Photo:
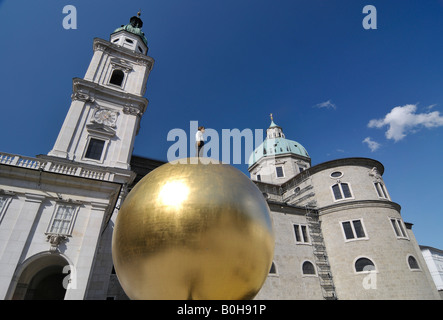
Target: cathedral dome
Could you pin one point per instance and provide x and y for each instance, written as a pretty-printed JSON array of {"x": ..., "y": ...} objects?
[{"x": 276, "y": 144}]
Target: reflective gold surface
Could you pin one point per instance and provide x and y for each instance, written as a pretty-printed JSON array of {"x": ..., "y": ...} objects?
[{"x": 193, "y": 231}]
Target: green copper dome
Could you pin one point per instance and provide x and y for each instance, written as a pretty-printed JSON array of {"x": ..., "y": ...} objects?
[
  {"x": 276, "y": 144},
  {"x": 134, "y": 26}
]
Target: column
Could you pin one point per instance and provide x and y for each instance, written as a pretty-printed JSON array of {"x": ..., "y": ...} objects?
[
  {"x": 17, "y": 240},
  {"x": 86, "y": 256}
]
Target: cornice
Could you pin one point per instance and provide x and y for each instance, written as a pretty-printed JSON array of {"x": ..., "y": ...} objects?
[
  {"x": 356, "y": 204},
  {"x": 370, "y": 163},
  {"x": 88, "y": 91},
  {"x": 139, "y": 58}
]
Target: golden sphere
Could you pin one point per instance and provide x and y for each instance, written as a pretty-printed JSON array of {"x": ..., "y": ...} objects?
[{"x": 193, "y": 229}]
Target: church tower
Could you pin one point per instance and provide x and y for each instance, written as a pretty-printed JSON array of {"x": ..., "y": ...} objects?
[
  {"x": 108, "y": 103},
  {"x": 57, "y": 210}
]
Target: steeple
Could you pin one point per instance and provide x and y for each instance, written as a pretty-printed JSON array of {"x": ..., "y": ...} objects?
[
  {"x": 131, "y": 35},
  {"x": 274, "y": 131}
]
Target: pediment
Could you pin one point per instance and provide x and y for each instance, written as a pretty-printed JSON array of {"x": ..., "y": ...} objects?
[{"x": 100, "y": 129}]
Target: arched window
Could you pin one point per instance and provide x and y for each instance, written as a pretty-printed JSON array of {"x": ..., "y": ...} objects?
[
  {"x": 364, "y": 264},
  {"x": 308, "y": 268},
  {"x": 381, "y": 190},
  {"x": 117, "y": 77},
  {"x": 413, "y": 264},
  {"x": 341, "y": 191}
]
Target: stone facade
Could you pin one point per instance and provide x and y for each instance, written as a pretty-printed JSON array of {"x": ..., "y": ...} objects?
[
  {"x": 50, "y": 219},
  {"x": 434, "y": 260},
  {"x": 354, "y": 235}
]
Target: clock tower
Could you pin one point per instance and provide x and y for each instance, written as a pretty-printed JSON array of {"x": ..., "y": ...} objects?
[{"x": 108, "y": 103}]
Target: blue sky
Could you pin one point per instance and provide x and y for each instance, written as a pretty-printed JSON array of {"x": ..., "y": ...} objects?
[{"x": 330, "y": 83}]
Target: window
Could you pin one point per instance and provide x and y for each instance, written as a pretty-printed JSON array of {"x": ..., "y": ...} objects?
[
  {"x": 399, "y": 230},
  {"x": 301, "y": 233},
  {"x": 95, "y": 149},
  {"x": 413, "y": 264},
  {"x": 4, "y": 202},
  {"x": 341, "y": 191},
  {"x": 258, "y": 177},
  {"x": 117, "y": 77},
  {"x": 129, "y": 40},
  {"x": 364, "y": 264},
  {"x": 279, "y": 171},
  {"x": 273, "y": 269},
  {"x": 336, "y": 174},
  {"x": 62, "y": 220},
  {"x": 308, "y": 268},
  {"x": 353, "y": 229},
  {"x": 381, "y": 190}
]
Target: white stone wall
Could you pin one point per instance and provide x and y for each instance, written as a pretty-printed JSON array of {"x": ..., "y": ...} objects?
[
  {"x": 434, "y": 261},
  {"x": 289, "y": 281},
  {"x": 266, "y": 168},
  {"x": 108, "y": 56},
  {"x": 104, "y": 111},
  {"x": 393, "y": 278},
  {"x": 358, "y": 178},
  {"x": 34, "y": 198}
]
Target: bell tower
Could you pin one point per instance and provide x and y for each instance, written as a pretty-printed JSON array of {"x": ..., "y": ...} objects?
[{"x": 108, "y": 103}]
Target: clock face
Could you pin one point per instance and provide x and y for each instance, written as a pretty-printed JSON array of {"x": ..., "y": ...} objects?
[{"x": 106, "y": 117}]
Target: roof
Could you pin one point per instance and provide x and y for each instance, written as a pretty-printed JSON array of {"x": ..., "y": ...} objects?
[
  {"x": 136, "y": 31},
  {"x": 134, "y": 26},
  {"x": 279, "y": 145}
]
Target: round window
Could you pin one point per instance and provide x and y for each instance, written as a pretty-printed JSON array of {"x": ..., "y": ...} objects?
[{"x": 336, "y": 174}]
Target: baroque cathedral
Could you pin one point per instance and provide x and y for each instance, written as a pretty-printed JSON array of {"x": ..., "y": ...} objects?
[{"x": 338, "y": 234}]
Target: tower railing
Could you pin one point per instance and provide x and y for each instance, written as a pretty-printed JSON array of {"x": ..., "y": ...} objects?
[{"x": 74, "y": 169}]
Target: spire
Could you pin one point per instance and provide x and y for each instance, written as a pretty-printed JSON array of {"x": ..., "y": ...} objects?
[{"x": 272, "y": 121}]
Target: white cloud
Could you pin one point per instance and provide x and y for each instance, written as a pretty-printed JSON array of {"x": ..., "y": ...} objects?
[
  {"x": 327, "y": 105},
  {"x": 404, "y": 120},
  {"x": 430, "y": 107},
  {"x": 373, "y": 145}
]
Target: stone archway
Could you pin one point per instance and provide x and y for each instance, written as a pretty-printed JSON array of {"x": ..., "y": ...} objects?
[{"x": 41, "y": 277}]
